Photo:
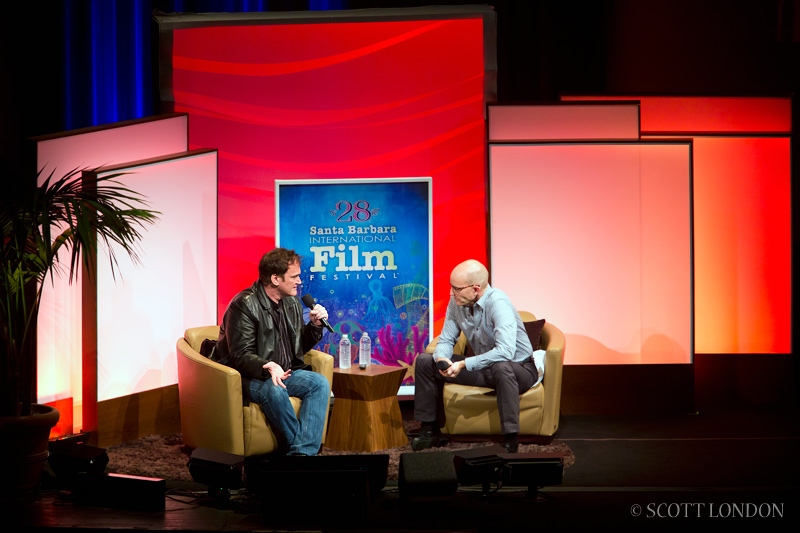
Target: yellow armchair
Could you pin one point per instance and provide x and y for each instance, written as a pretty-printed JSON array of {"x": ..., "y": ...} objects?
[
  {"x": 473, "y": 410},
  {"x": 212, "y": 414}
]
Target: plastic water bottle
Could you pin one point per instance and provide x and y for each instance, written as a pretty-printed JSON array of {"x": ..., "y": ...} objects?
[
  {"x": 364, "y": 350},
  {"x": 344, "y": 352}
]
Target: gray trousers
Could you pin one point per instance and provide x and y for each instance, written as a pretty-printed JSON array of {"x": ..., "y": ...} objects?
[{"x": 507, "y": 378}]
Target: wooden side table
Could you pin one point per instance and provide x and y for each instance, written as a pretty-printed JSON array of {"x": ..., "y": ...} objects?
[{"x": 366, "y": 415}]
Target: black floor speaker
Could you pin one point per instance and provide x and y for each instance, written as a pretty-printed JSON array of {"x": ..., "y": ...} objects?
[
  {"x": 479, "y": 465},
  {"x": 427, "y": 474},
  {"x": 534, "y": 470},
  {"x": 68, "y": 460},
  {"x": 121, "y": 492},
  {"x": 305, "y": 498},
  {"x": 316, "y": 491},
  {"x": 217, "y": 469},
  {"x": 260, "y": 470}
]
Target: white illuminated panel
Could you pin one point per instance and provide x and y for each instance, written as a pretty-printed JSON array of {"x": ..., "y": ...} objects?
[
  {"x": 59, "y": 319},
  {"x": 140, "y": 313},
  {"x": 596, "y": 238},
  {"x": 559, "y": 122}
]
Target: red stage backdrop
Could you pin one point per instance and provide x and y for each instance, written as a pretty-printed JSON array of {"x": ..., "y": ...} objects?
[{"x": 377, "y": 97}]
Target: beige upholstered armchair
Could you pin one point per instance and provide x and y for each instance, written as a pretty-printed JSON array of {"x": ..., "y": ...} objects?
[
  {"x": 212, "y": 414},
  {"x": 473, "y": 410}
]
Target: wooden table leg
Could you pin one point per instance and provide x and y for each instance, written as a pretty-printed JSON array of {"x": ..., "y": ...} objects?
[{"x": 366, "y": 414}]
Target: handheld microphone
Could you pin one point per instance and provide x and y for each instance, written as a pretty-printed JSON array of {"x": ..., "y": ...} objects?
[{"x": 309, "y": 302}]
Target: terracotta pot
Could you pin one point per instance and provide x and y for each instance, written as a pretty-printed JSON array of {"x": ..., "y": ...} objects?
[{"x": 23, "y": 448}]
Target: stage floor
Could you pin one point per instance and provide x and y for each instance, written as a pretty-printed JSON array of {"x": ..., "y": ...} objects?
[{"x": 630, "y": 472}]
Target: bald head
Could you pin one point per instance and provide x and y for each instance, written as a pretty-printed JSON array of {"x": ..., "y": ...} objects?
[
  {"x": 468, "y": 282},
  {"x": 470, "y": 272}
]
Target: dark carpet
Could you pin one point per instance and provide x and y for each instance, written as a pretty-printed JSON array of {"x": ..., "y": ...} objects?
[{"x": 166, "y": 457}]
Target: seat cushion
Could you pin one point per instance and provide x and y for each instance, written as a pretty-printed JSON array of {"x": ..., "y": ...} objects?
[{"x": 473, "y": 410}]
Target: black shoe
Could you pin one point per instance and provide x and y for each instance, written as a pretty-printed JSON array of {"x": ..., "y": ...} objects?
[
  {"x": 511, "y": 446},
  {"x": 428, "y": 438}
]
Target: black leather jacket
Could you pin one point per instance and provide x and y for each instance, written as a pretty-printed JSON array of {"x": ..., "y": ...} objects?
[{"x": 248, "y": 335}]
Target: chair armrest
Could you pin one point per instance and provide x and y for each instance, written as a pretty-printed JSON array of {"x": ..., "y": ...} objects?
[
  {"x": 210, "y": 402},
  {"x": 321, "y": 363},
  {"x": 195, "y": 336},
  {"x": 458, "y": 349},
  {"x": 553, "y": 342},
  {"x": 432, "y": 346}
]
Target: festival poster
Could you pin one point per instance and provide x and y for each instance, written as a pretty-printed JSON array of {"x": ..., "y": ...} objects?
[{"x": 366, "y": 248}]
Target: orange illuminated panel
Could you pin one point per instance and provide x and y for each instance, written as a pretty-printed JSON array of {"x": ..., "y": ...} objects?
[
  {"x": 596, "y": 238},
  {"x": 742, "y": 245},
  {"x": 553, "y": 122},
  {"x": 714, "y": 114},
  {"x": 59, "y": 319},
  {"x": 742, "y": 211},
  {"x": 65, "y": 424}
]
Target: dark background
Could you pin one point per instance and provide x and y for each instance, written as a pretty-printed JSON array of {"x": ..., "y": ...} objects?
[
  {"x": 545, "y": 48},
  {"x": 69, "y": 64}
]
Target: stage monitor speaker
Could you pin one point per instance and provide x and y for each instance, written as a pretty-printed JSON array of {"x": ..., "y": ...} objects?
[
  {"x": 218, "y": 470},
  {"x": 427, "y": 474},
  {"x": 121, "y": 492},
  {"x": 479, "y": 465},
  {"x": 533, "y": 470},
  {"x": 68, "y": 460},
  {"x": 313, "y": 498},
  {"x": 258, "y": 469}
]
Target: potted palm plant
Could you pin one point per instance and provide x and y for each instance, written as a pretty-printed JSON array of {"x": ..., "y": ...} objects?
[{"x": 48, "y": 229}]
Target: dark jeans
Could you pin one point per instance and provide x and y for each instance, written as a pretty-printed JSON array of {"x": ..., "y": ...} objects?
[
  {"x": 507, "y": 378},
  {"x": 302, "y": 432}
]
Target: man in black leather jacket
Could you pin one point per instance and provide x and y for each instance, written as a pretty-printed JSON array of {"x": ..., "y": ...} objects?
[{"x": 263, "y": 337}]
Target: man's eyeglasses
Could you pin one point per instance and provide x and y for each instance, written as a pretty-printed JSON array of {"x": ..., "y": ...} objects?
[{"x": 456, "y": 290}]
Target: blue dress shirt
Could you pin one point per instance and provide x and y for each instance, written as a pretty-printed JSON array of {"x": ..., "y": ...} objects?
[{"x": 492, "y": 327}]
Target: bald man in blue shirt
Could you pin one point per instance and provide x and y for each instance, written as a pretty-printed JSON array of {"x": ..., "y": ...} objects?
[{"x": 495, "y": 332}]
